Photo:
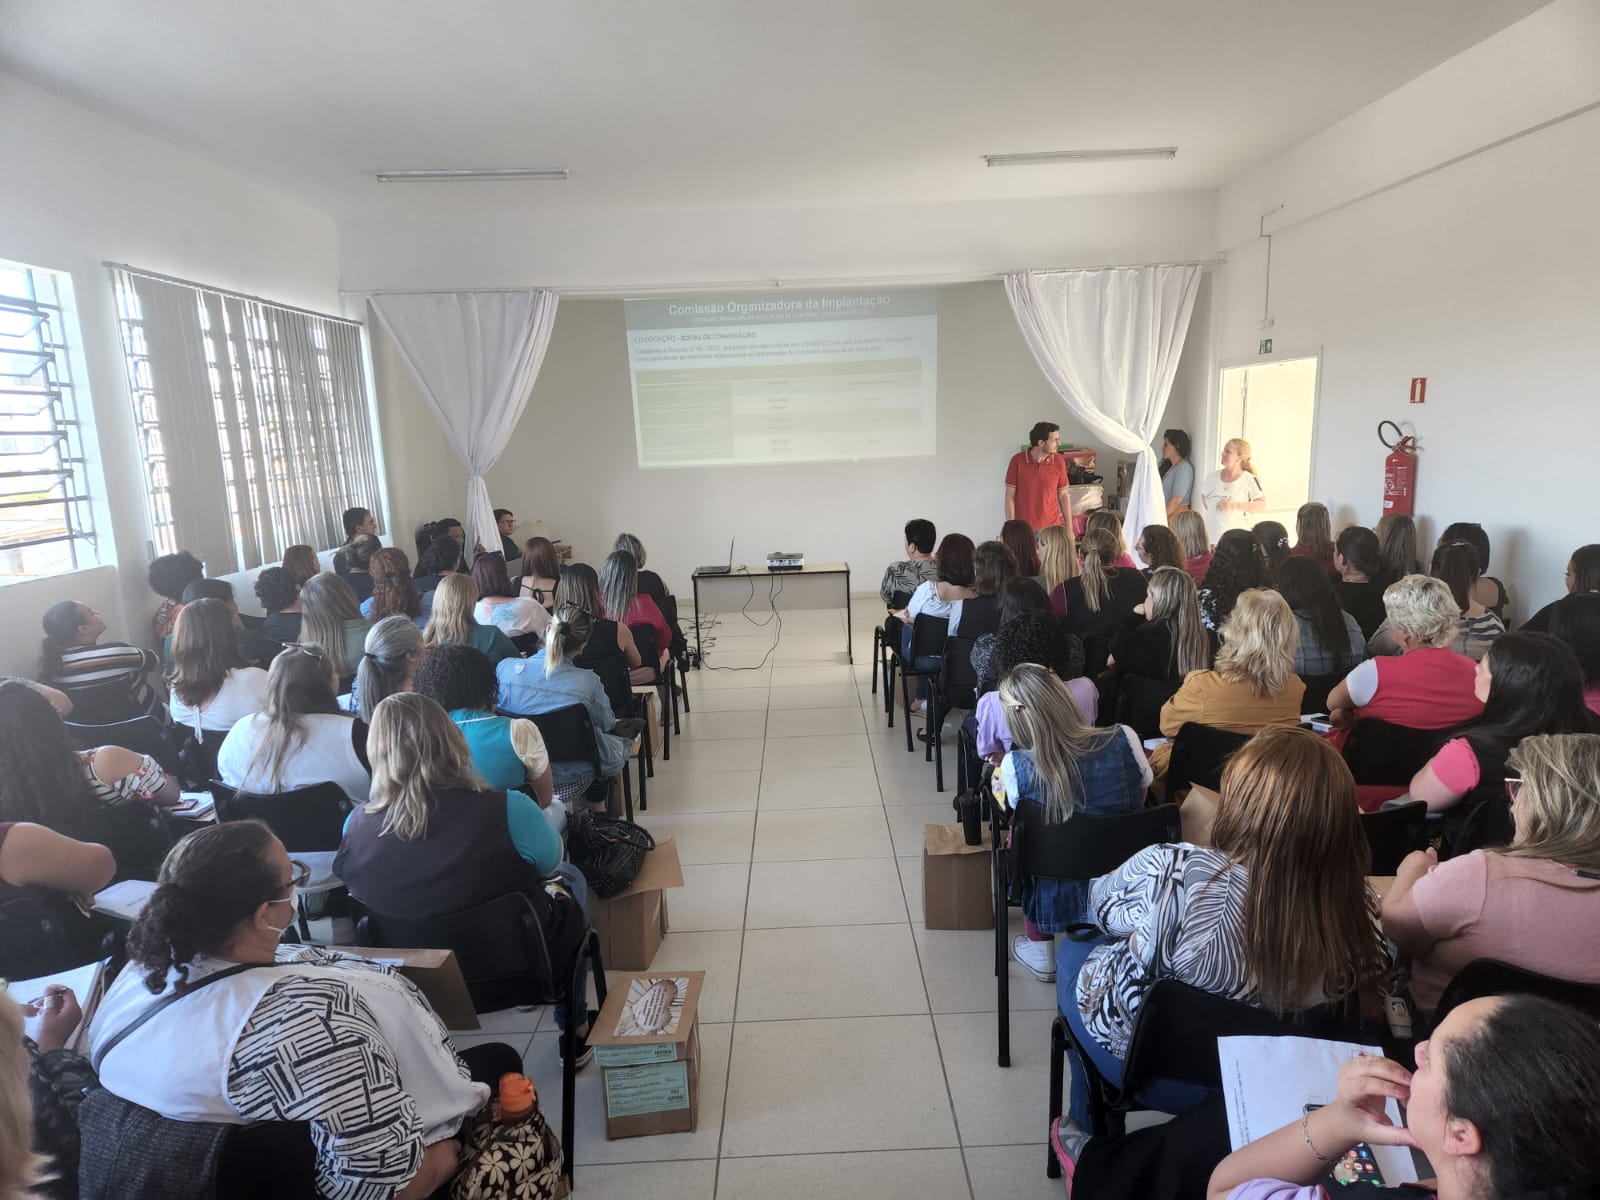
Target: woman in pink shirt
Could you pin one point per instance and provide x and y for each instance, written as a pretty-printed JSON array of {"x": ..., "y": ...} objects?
[
  {"x": 619, "y": 588},
  {"x": 1535, "y": 904}
]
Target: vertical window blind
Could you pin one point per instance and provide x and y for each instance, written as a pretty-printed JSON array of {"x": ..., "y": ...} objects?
[{"x": 252, "y": 419}]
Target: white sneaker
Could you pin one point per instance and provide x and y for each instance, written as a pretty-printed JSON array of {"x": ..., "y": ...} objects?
[{"x": 1037, "y": 958}]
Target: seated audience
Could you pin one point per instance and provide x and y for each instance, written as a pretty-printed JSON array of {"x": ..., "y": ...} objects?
[
  {"x": 1159, "y": 547},
  {"x": 394, "y": 592},
  {"x": 551, "y": 680},
  {"x": 36, "y": 856},
  {"x": 1534, "y": 904},
  {"x": 1190, "y": 529},
  {"x": 541, "y": 571},
  {"x": 1528, "y": 683},
  {"x": 255, "y": 647},
  {"x": 1171, "y": 640},
  {"x": 1457, "y": 564},
  {"x": 1111, "y": 524},
  {"x": 1331, "y": 641},
  {"x": 1492, "y": 1106},
  {"x": 1427, "y": 685},
  {"x": 1024, "y": 546},
  {"x": 993, "y": 567},
  {"x": 1314, "y": 535},
  {"x": 279, "y": 593},
  {"x": 1058, "y": 556},
  {"x": 609, "y": 649},
  {"x": 358, "y": 522},
  {"x": 1363, "y": 575},
  {"x": 650, "y": 584},
  {"x": 504, "y": 522},
  {"x": 225, "y": 895},
  {"x": 442, "y": 557},
  {"x": 1397, "y": 542},
  {"x": 1031, "y": 637},
  {"x": 332, "y": 619},
  {"x": 954, "y": 576},
  {"x": 508, "y": 752},
  {"x": 1288, "y": 857},
  {"x": 1583, "y": 577},
  {"x": 57, "y": 699},
  {"x": 1018, "y": 596},
  {"x": 1488, "y": 591},
  {"x": 358, "y": 554},
  {"x": 499, "y": 605},
  {"x": 212, "y": 688},
  {"x": 431, "y": 531},
  {"x": 1274, "y": 541},
  {"x": 1100, "y": 600},
  {"x": 106, "y": 681},
  {"x": 1237, "y": 566},
  {"x": 393, "y": 650},
  {"x": 300, "y": 738},
  {"x": 1252, "y": 685},
  {"x": 1576, "y": 621},
  {"x": 626, "y": 605},
  {"x": 301, "y": 562},
  {"x": 453, "y": 620},
  {"x": 169, "y": 575},
  {"x": 24, "y": 1171},
  {"x": 1066, "y": 766}
]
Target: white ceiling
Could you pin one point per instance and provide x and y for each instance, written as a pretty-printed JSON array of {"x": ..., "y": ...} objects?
[{"x": 730, "y": 102}]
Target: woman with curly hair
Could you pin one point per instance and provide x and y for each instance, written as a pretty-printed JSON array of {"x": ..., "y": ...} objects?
[
  {"x": 394, "y": 592},
  {"x": 279, "y": 593},
  {"x": 168, "y": 576},
  {"x": 1237, "y": 566}
]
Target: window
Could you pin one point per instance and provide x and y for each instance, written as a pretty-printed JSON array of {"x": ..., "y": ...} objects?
[
  {"x": 46, "y": 518},
  {"x": 252, "y": 420}
]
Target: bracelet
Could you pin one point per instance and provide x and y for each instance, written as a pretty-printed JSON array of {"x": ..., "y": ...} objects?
[{"x": 1305, "y": 1128}]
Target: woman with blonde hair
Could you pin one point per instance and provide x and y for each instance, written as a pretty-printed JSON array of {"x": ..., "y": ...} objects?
[
  {"x": 301, "y": 562},
  {"x": 1065, "y": 766},
  {"x": 1172, "y": 640},
  {"x": 1109, "y": 523},
  {"x": 1229, "y": 496},
  {"x": 1252, "y": 684},
  {"x": 1427, "y": 685},
  {"x": 1100, "y": 600},
  {"x": 1190, "y": 528},
  {"x": 453, "y": 620},
  {"x": 21, "y": 1170},
  {"x": 1277, "y": 913},
  {"x": 1534, "y": 904},
  {"x": 1058, "y": 556},
  {"x": 330, "y": 616}
]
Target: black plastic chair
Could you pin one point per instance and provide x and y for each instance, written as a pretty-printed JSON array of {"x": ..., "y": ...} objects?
[
  {"x": 1081, "y": 848},
  {"x": 506, "y": 961},
  {"x": 1199, "y": 754},
  {"x": 928, "y": 635},
  {"x": 613, "y": 673},
  {"x": 143, "y": 735},
  {"x": 1477, "y": 825},
  {"x": 569, "y": 736},
  {"x": 1393, "y": 833},
  {"x": 1139, "y": 701},
  {"x": 308, "y": 818},
  {"x": 1175, "y": 1038},
  {"x": 43, "y": 933},
  {"x": 886, "y": 649},
  {"x": 679, "y": 650},
  {"x": 650, "y": 655},
  {"x": 955, "y": 686},
  {"x": 1315, "y": 699},
  {"x": 1382, "y": 754},
  {"x": 1490, "y": 977}
]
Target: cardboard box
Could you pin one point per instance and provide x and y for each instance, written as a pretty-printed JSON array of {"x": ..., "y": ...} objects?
[
  {"x": 632, "y": 923},
  {"x": 647, "y": 1045},
  {"x": 957, "y": 880},
  {"x": 436, "y": 973}
]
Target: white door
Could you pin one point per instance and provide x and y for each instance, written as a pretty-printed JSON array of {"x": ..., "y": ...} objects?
[{"x": 1273, "y": 406}]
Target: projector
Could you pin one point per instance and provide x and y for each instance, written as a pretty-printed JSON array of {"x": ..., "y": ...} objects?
[{"x": 785, "y": 560}]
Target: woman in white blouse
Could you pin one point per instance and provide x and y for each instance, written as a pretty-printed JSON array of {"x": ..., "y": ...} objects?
[
  {"x": 301, "y": 738},
  {"x": 212, "y": 689},
  {"x": 516, "y": 616},
  {"x": 955, "y": 563},
  {"x": 1229, "y": 496}
]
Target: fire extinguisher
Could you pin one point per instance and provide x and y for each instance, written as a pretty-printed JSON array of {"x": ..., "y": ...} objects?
[{"x": 1399, "y": 470}]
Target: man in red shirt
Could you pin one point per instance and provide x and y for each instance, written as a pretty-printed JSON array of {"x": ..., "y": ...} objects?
[{"x": 1036, "y": 481}]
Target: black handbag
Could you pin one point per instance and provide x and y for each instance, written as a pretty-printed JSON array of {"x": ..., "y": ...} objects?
[{"x": 607, "y": 850}]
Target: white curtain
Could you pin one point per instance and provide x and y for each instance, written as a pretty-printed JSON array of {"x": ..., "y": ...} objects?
[
  {"x": 1108, "y": 342},
  {"x": 475, "y": 356}
]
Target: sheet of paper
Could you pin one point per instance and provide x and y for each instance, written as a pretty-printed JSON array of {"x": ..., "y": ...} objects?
[
  {"x": 1268, "y": 1081},
  {"x": 82, "y": 982},
  {"x": 126, "y": 899}
]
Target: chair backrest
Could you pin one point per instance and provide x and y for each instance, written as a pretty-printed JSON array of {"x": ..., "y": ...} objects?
[
  {"x": 308, "y": 818},
  {"x": 928, "y": 636},
  {"x": 1199, "y": 754},
  {"x": 1489, "y": 977},
  {"x": 668, "y": 604},
  {"x": 1139, "y": 701},
  {"x": 1477, "y": 825},
  {"x": 1175, "y": 1035},
  {"x": 898, "y": 600},
  {"x": 644, "y": 637},
  {"x": 569, "y": 735},
  {"x": 499, "y": 945},
  {"x": 1393, "y": 833},
  {"x": 43, "y": 933},
  {"x": 1315, "y": 699},
  {"x": 958, "y": 681},
  {"x": 612, "y": 671},
  {"x": 1380, "y": 752},
  {"x": 1087, "y": 845},
  {"x": 143, "y": 735}
]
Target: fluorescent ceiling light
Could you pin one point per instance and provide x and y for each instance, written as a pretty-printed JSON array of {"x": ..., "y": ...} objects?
[
  {"x": 1060, "y": 156},
  {"x": 473, "y": 175}
]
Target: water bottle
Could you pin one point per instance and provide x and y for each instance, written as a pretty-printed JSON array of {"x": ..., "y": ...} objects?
[{"x": 972, "y": 819}]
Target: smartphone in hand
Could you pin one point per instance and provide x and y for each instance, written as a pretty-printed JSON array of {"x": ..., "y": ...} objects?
[{"x": 1358, "y": 1164}]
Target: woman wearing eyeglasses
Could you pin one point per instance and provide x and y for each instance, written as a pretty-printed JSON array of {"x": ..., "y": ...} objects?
[
  {"x": 302, "y": 737},
  {"x": 260, "y": 1032},
  {"x": 1534, "y": 904}
]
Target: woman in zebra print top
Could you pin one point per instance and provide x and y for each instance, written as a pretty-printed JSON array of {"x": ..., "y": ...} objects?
[{"x": 1277, "y": 914}]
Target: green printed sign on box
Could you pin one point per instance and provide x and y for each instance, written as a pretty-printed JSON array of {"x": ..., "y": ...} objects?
[
  {"x": 655, "y": 1087},
  {"x": 633, "y": 1056}
]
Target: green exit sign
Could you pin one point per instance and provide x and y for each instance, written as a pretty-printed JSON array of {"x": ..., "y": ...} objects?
[{"x": 1266, "y": 346}]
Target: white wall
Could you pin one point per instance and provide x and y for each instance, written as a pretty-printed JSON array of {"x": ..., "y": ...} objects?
[
  {"x": 81, "y": 189},
  {"x": 1478, "y": 273},
  {"x": 572, "y": 461}
]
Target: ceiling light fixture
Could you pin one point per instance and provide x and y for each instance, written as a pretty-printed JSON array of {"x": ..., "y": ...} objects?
[
  {"x": 473, "y": 175},
  {"x": 1067, "y": 156}
]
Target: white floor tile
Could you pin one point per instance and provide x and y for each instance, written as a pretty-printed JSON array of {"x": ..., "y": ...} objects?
[
  {"x": 811, "y": 675},
  {"x": 1009, "y": 1173},
  {"x": 836, "y": 750},
  {"x": 815, "y": 722},
  {"x": 881, "y": 1175},
  {"x": 790, "y": 834},
  {"x": 711, "y": 678},
  {"x": 508, "y": 1020},
  {"x": 679, "y": 787},
  {"x": 997, "y": 1106},
  {"x": 729, "y": 754},
  {"x": 911, "y": 882},
  {"x": 907, "y": 823},
  {"x": 821, "y": 787},
  {"x": 647, "y": 1181},
  {"x": 841, "y": 971},
  {"x": 712, "y": 897},
  {"x": 958, "y": 968},
  {"x": 816, "y": 695},
  {"x": 861, "y": 891},
  {"x": 704, "y": 837},
  {"x": 720, "y": 726},
  {"x": 730, "y": 699},
  {"x": 716, "y": 952}
]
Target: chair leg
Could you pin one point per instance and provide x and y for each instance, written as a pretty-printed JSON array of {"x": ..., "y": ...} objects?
[
  {"x": 905, "y": 696},
  {"x": 888, "y": 688},
  {"x": 627, "y": 792},
  {"x": 930, "y": 713},
  {"x": 1058, "y": 1052},
  {"x": 936, "y": 744},
  {"x": 683, "y": 673},
  {"x": 877, "y": 657}
]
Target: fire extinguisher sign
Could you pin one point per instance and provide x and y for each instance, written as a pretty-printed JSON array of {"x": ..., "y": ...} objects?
[{"x": 1419, "y": 389}]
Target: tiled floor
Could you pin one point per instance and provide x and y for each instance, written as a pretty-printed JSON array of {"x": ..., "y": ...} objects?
[{"x": 847, "y": 1050}]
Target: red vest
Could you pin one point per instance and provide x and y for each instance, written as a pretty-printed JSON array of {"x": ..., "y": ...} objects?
[{"x": 1429, "y": 688}]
